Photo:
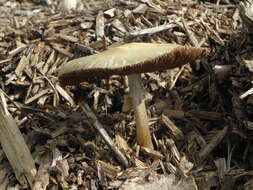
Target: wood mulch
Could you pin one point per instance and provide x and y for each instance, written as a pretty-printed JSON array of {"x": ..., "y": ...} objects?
[{"x": 201, "y": 114}]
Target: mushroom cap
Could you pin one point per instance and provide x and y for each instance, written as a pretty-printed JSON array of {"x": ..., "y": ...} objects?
[{"x": 128, "y": 59}]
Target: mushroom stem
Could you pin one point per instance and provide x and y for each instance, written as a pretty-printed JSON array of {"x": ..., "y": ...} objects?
[{"x": 137, "y": 94}]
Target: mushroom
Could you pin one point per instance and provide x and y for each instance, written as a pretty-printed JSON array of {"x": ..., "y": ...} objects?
[{"x": 131, "y": 59}]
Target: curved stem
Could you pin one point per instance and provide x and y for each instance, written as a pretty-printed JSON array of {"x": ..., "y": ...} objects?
[{"x": 141, "y": 118}]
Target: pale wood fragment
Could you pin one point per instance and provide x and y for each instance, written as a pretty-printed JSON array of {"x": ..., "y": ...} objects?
[
  {"x": 100, "y": 25},
  {"x": 64, "y": 94},
  {"x": 40, "y": 94},
  {"x": 152, "y": 30},
  {"x": 15, "y": 147},
  {"x": 146, "y": 179},
  {"x": 22, "y": 64}
]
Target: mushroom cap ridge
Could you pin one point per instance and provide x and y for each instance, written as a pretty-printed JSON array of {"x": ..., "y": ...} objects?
[{"x": 128, "y": 59}]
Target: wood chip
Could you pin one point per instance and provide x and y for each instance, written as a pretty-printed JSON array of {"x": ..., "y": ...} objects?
[
  {"x": 100, "y": 25},
  {"x": 21, "y": 66},
  {"x": 174, "y": 130}
]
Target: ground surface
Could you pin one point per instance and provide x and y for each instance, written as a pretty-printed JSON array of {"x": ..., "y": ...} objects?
[{"x": 204, "y": 101}]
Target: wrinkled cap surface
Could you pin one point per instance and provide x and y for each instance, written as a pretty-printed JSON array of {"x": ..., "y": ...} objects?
[{"x": 128, "y": 59}]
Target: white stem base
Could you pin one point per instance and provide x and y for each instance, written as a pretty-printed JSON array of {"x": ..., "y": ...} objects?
[{"x": 141, "y": 118}]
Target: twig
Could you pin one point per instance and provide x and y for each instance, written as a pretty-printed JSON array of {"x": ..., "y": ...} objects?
[
  {"x": 12, "y": 101},
  {"x": 176, "y": 78},
  {"x": 192, "y": 38},
  {"x": 247, "y": 93},
  {"x": 93, "y": 121},
  {"x": 214, "y": 142},
  {"x": 152, "y": 30}
]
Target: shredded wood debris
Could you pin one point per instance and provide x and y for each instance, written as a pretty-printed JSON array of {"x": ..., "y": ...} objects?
[{"x": 79, "y": 137}]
